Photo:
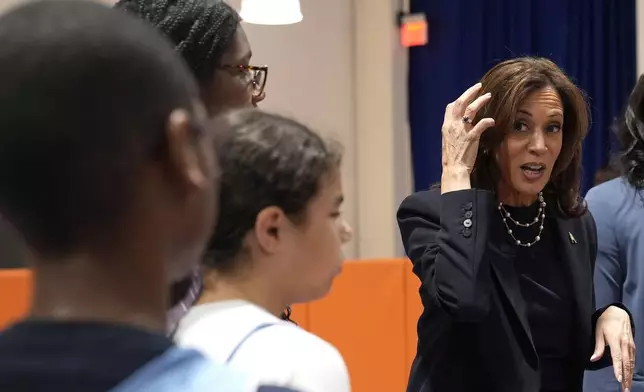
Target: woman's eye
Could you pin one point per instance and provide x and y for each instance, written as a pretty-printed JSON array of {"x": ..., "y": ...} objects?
[
  {"x": 554, "y": 128},
  {"x": 520, "y": 126}
]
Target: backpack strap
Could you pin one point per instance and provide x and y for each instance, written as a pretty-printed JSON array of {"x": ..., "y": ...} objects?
[
  {"x": 186, "y": 370},
  {"x": 248, "y": 335}
]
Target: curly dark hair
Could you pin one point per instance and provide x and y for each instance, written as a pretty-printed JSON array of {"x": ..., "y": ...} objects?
[
  {"x": 266, "y": 160},
  {"x": 510, "y": 83},
  {"x": 630, "y": 133},
  {"x": 201, "y": 30}
]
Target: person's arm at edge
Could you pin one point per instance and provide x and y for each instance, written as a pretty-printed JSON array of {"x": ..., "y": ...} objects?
[{"x": 606, "y": 268}]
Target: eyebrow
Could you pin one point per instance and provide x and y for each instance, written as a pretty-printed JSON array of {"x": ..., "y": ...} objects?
[{"x": 552, "y": 115}]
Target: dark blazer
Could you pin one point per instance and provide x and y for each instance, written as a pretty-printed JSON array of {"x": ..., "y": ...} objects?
[{"x": 473, "y": 334}]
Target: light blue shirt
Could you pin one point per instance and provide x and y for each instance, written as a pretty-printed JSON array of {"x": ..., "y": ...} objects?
[
  {"x": 187, "y": 370},
  {"x": 618, "y": 210}
]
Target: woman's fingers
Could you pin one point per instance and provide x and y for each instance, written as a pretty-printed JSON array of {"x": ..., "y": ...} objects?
[
  {"x": 460, "y": 137},
  {"x": 458, "y": 106},
  {"x": 628, "y": 357},
  {"x": 474, "y": 107},
  {"x": 481, "y": 127},
  {"x": 628, "y": 365},
  {"x": 616, "y": 356},
  {"x": 600, "y": 346}
]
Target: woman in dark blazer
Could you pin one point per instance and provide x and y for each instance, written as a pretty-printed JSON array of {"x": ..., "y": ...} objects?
[{"x": 505, "y": 247}]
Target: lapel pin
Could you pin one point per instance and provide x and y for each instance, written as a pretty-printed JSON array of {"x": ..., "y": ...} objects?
[{"x": 572, "y": 238}]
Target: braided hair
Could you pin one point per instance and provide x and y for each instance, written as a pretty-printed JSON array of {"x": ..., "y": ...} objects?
[{"x": 201, "y": 30}]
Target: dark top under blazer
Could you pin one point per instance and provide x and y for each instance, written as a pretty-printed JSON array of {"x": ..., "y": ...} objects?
[{"x": 473, "y": 334}]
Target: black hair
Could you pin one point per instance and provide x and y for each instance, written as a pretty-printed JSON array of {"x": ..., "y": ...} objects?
[
  {"x": 606, "y": 173},
  {"x": 201, "y": 30},
  {"x": 286, "y": 315},
  {"x": 85, "y": 93},
  {"x": 266, "y": 160},
  {"x": 630, "y": 133}
]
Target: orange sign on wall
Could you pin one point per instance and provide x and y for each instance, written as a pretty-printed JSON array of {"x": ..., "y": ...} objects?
[{"x": 413, "y": 30}]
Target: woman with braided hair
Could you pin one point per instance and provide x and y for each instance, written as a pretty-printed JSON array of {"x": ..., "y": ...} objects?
[
  {"x": 209, "y": 37},
  {"x": 212, "y": 42}
]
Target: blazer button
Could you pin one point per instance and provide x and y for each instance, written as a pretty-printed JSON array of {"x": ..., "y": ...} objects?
[
  {"x": 467, "y": 232},
  {"x": 468, "y": 205},
  {"x": 468, "y": 214},
  {"x": 467, "y": 223}
]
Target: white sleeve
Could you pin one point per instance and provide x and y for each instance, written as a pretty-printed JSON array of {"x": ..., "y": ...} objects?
[
  {"x": 291, "y": 357},
  {"x": 323, "y": 372}
]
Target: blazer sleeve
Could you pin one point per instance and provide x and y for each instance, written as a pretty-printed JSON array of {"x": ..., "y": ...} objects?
[{"x": 445, "y": 238}]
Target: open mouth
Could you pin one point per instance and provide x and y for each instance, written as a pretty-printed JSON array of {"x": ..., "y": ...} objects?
[
  {"x": 533, "y": 170},
  {"x": 534, "y": 167}
]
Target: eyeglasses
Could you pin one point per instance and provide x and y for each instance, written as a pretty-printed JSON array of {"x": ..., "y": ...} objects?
[{"x": 253, "y": 75}]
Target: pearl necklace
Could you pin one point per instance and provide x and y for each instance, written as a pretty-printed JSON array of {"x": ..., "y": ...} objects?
[{"x": 541, "y": 215}]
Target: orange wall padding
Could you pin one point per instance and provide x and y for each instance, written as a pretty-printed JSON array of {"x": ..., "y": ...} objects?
[
  {"x": 370, "y": 315},
  {"x": 15, "y": 294}
]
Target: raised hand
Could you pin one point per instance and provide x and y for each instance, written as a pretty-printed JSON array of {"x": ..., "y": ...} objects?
[{"x": 461, "y": 138}]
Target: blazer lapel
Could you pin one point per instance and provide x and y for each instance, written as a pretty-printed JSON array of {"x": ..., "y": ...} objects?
[
  {"x": 575, "y": 254},
  {"x": 506, "y": 277}
]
